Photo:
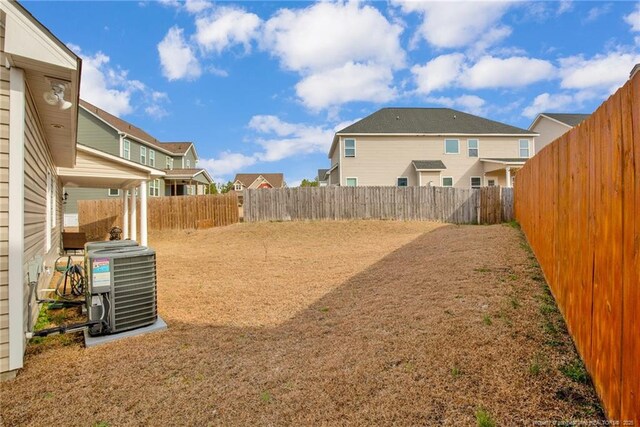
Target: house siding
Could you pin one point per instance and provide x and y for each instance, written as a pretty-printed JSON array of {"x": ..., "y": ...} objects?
[
  {"x": 189, "y": 155},
  {"x": 380, "y": 160},
  {"x": 93, "y": 132},
  {"x": 38, "y": 166},
  {"x": 549, "y": 131},
  {"x": 4, "y": 211}
]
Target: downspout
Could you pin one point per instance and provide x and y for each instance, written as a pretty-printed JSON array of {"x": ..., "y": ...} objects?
[{"x": 340, "y": 161}]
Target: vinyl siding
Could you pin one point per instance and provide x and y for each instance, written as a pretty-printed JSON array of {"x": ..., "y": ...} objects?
[
  {"x": 549, "y": 131},
  {"x": 94, "y": 133},
  {"x": 37, "y": 165},
  {"x": 4, "y": 212},
  {"x": 188, "y": 156},
  {"x": 380, "y": 160}
]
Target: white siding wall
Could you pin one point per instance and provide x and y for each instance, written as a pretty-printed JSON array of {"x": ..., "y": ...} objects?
[
  {"x": 38, "y": 166},
  {"x": 4, "y": 211},
  {"x": 380, "y": 160},
  {"x": 549, "y": 131}
]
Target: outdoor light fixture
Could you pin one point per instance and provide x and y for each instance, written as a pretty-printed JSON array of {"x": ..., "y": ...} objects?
[
  {"x": 65, "y": 196},
  {"x": 55, "y": 96}
]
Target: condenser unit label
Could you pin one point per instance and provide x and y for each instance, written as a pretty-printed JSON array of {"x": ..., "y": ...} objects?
[{"x": 100, "y": 270}]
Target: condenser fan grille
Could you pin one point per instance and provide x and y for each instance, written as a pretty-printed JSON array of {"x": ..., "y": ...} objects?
[{"x": 134, "y": 301}]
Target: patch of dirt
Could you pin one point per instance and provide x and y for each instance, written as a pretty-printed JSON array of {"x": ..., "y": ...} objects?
[{"x": 325, "y": 323}]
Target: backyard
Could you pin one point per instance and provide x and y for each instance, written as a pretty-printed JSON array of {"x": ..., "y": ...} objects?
[{"x": 324, "y": 323}]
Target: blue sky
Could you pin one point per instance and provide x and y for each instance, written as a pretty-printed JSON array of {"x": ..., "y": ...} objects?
[{"x": 261, "y": 86}]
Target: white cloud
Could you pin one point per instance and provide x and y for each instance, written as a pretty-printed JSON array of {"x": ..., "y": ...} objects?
[
  {"x": 596, "y": 12},
  {"x": 197, "y": 6},
  {"x": 111, "y": 88},
  {"x": 550, "y": 103},
  {"x": 282, "y": 139},
  {"x": 226, "y": 164},
  {"x": 457, "y": 24},
  {"x": 177, "y": 57},
  {"x": 517, "y": 71},
  {"x": 602, "y": 72},
  {"x": 564, "y": 6},
  {"x": 633, "y": 19},
  {"x": 225, "y": 27},
  {"x": 453, "y": 70},
  {"x": 351, "y": 82},
  {"x": 439, "y": 73},
  {"x": 328, "y": 35},
  {"x": 277, "y": 140},
  {"x": 469, "y": 103}
]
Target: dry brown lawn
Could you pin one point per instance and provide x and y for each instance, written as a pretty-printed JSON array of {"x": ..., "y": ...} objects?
[{"x": 325, "y": 323}]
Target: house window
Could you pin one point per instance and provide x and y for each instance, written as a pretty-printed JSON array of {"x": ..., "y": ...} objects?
[
  {"x": 352, "y": 182},
  {"x": 349, "y": 147},
  {"x": 114, "y": 192},
  {"x": 524, "y": 148},
  {"x": 403, "y": 181},
  {"x": 152, "y": 158},
  {"x": 491, "y": 182},
  {"x": 154, "y": 188},
  {"x": 447, "y": 181},
  {"x": 188, "y": 163},
  {"x": 451, "y": 146},
  {"x": 169, "y": 163},
  {"x": 143, "y": 155},
  {"x": 476, "y": 182},
  {"x": 472, "y": 145},
  {"x": 126, "y": 149},
  {"x": 237, "y": 187}
]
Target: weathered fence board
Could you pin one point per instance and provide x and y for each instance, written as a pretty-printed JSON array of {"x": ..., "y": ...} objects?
[
  {"x": 97, "y": 217},
  {"x": 578, "y": 202},
  {"x": 454, "y": 205}
]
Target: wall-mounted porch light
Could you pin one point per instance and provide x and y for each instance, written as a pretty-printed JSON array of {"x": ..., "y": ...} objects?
[{"x": 55, "y": 96}]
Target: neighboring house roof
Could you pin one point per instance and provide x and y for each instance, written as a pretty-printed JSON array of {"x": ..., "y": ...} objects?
[
  {"x": 423, "y": 165},
  {"x": 322, "y": 174},
  {"x": 568, "y": 119},
  {"x": 275, "y": 179},
  {"x": 427, "y": 121},
  {"x": 173, "y": 148},
  {"x": 177, "y": 147},
  {"x": 186, "y": 173}
]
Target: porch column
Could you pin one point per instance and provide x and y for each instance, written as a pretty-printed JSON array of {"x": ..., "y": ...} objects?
[
  {"x": 125, "y": 215},
  {"x": 134, "y": 214},
  {"x": 143, "y": 213},
  {"x": 508, "y": 172}
]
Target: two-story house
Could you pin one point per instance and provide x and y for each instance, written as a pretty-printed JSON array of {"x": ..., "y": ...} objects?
[
  {"x": 551, "y": 126},
  {"x": 110, "y": 134},
  {"x": 428, "y": 146}
]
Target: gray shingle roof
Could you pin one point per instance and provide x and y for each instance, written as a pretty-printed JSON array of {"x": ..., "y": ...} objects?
[
  {"x": 322, "y": 174},
  {"x": 429, "y": 121},
  {"x": 428, "y": 165},
  {"x": 568, "y": 119}
]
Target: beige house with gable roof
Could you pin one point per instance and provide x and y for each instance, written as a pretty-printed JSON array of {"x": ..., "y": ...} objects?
[{"x": 428, "y": 146}]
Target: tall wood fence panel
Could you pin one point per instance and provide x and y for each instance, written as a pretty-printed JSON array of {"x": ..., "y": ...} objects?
[
  {"x": 454, "y": 205},
  {"x": 578, "y": 202},
  {"x": 97, "y": 217}
]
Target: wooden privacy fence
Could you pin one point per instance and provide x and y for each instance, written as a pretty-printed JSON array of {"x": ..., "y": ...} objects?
[
  {"x": 578, "y": 202},
  {"x": 455, "y": 205},
  {"x": 97, "y": 217}
]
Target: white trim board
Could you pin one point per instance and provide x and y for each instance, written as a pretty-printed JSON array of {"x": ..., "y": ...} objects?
[{"x": 16, "y": 217}]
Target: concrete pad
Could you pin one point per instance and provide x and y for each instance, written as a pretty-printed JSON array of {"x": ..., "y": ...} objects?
[{"x": 90, "y": 341}]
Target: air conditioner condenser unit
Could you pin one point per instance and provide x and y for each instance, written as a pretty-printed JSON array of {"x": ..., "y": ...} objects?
[{"x": 122, "y": 289}]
